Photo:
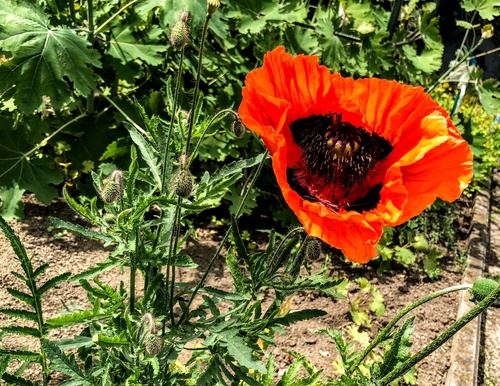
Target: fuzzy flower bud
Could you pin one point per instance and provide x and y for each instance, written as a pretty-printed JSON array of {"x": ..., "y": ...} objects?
[
  {"x": 213, "y": 5},
  {"x": 313, "y": 249},
  {"x": 112, "y": 187},
  {"x": 481, "y": 288},
  {"x": 182, "y": 183},
  {"x": 153, "y": 344},
  {"x": 238, "y": 128},
  {"x": 179, "y": 34}
]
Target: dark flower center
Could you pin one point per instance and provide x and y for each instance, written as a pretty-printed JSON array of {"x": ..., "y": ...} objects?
[{"x": 339, "y": 160}]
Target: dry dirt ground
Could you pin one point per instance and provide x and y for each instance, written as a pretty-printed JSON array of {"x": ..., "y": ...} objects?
[{"x": 400, "y": 287}]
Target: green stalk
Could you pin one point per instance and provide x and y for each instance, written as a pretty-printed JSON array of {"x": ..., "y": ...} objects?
[
  {"x": 197, "y": 84},
  {"x": 454, "y": 328},
  {"x": 172, "y": 119},
  {"x": 451, "y": 69},
  {"x": 387, "y": 329},
  {"x": 224, "y": 240},
  {"x": 133, "y": 270},
  {"x": 90, "y": 18},
  {"x": 214, "y": 118}
]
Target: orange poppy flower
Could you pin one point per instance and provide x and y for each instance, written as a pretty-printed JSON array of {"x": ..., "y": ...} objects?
[{"x": 352, "y": 156}]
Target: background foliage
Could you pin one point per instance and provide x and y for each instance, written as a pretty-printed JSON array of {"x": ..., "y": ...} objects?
[{"x": 68, "y": 71}]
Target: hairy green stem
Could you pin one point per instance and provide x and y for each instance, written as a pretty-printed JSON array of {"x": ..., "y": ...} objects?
[
  {"x": 172, "y": 120},
  {"x": 452, "y": 330},
  {"x": 133, "y": 270},
  {"x": 387, "y": 329},
  {"x": 197, "y": 84},
  {"x": 185, "y": 314},
  {"x": 214, "y": 118}
]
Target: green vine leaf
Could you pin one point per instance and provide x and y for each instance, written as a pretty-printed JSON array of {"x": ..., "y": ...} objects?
[
  {"x": 487, "y": 9},
  {"x": 129, "y": 44},
  {"x": 42, "y": 56}
]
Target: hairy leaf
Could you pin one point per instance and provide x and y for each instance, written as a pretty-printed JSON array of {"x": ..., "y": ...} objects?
[
  {"x": 20, "y": 330},
  {"x": 64, "y": 364},
  {"x": 51, "y": 283},
  {"x": 42, "y": 56},
  {"x": 239, "y": 350}
]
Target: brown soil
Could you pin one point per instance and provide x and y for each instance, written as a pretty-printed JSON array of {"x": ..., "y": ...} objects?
[{"x": 68, "y": 252}]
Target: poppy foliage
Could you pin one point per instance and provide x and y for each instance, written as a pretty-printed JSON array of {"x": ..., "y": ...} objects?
[{"x": 352, "y": 156}]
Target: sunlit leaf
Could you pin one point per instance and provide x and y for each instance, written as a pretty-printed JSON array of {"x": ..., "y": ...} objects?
[{"x": 42, "y": 57}]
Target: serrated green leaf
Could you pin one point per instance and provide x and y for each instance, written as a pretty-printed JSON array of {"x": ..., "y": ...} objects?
[
  {"x": 20, "y": 330},
  {"x": 97, "y": 269},
  {"x": 22, "y": 314},
  {"x": 399, "y": 349},
  {"x": 147, "y": 153},
  {"x": 51, "y": 283},
  {"x": 40, "y": 270},
  {"x": 405, "y": 256},
  {"x": 80, "y": 209},
  {"x": 21, "y": 354},
  {"x": 58, "y": 223},
  {"x": 489, "y": 95},
  {"x": 428, "y": 61},
  {"x": 42, "y": 56},
  {"x": 64, "y": 364},
  {"x": 14, "y": 380},
  {"x": 239, "y": 350},
  {"x": 487, "y": 9},
  {"x": 73, "y": 343},
  {"x": 294, "y": 317},
  {"x": 112, "y": 341},
  {"x": 23, "y": 296},
  {"x": 129, "y": 43},
  {"x": 85, "y": 316}
]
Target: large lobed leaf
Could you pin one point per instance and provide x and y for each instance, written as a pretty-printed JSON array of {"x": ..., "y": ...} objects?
[{"x": 41, "y": 57}]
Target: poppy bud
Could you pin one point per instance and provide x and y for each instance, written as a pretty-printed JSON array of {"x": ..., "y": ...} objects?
[
  {"x": 153, "y": 344},
  {"x": 213, "y": 5},
  {"x": 179, "y": 34},
  {"x": 313, "y": 249},
  {"x": 182, "y": 183},
  {"x": 112, "y": 187},
  {"x": 482, "y": 288},
  {"x": 238, "y": 128}
]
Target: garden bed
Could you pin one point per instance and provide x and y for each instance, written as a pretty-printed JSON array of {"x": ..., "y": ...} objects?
[{"x": 400, "y": 287}]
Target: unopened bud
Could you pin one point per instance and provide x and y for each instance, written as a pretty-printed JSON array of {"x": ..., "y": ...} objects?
[
  {"x": 112, "y": 187},
  {"x": 179, "y": 34},
  {"x": 481, "y": 288},
  {"x": 213, "y": 5},
  {"x": 487, "y": 31},
  {"x": 238, "y": 128},
  {"x": 313, "y": 249},
  {"x": 182, "y": 183},
  {"x": 153, "y": 344}
]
